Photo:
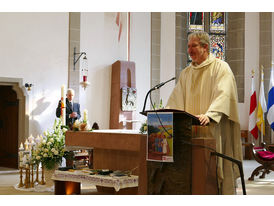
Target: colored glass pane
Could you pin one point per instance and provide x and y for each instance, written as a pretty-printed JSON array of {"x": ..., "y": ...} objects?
[
  {"x": 217, "y": 22},
  {"x": 195, "y": 21},
  {"x": 217, "y": 46}
]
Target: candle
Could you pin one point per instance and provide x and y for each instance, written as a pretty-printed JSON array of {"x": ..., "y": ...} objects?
[
  {"x": 26, "y": 145},
  {"x": 32, "y": 143},
  {"x": 21, "y": 148},
  {"x": 21, "y": 158},
  {"x": 30, "y": 138},
  {"x": 63, "y": 105},
  {"x": 85, "y": 115},
  {"x": 63, "y": 91}
]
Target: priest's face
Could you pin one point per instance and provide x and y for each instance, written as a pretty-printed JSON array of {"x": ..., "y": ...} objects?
[{"x": 197, "y": 52}]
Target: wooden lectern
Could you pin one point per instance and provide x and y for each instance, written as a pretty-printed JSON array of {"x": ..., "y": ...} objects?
[{"x": 193, "y": 170}]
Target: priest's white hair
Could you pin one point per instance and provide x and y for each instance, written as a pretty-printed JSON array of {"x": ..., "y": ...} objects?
[{"x": 202, "y": 36}]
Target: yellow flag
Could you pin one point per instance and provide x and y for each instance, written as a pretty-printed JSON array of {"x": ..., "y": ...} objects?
[{"x": 261, "y": 106}]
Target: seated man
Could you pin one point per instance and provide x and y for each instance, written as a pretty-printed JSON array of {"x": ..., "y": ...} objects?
[{"x": 72, "y": 109}]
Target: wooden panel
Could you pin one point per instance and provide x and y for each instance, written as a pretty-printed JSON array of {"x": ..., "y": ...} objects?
[
  {"x": 115, "y": 159},
  {"x": 123, "y": 74},
  {"x": 193, "y": 170},
  {"x": 112, "y": 141},
  {"x": 174, "y": 178}
]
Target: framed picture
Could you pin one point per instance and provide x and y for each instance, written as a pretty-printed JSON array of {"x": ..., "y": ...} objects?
[{"x": 128, "y": 99}]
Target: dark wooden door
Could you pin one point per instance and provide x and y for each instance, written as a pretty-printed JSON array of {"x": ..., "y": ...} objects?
[{"x": 8, "y": 127}]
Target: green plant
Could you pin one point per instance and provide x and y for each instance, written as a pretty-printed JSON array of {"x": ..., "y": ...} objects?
[
  {"x": 159, "y": 106},
  {"x": 143, "y": 128},
  {"x": 51, "y": 149}
]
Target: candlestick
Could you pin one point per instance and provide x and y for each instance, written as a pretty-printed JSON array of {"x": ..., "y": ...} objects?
[
  {"x": 32, "y": 182},
  {"x": 43, "y": 176},
  {"x": 21, "y": 177},
  {"x": 37, "y": 174}
]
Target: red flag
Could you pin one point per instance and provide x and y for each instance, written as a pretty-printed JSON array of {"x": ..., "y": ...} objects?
[{"x": 252, "y": 111}]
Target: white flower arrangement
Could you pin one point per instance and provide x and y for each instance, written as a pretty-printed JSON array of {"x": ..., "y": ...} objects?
[{"x": 51, "y": 149}]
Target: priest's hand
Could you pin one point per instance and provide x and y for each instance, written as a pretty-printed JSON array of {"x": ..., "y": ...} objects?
[{"x": 204, "y": 120}]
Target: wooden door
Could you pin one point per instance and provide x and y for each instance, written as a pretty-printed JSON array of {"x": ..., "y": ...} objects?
[{"x": 8, "y": 127}]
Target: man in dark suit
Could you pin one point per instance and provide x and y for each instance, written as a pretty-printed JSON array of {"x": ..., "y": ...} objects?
[{"x": 72, "y": 109}]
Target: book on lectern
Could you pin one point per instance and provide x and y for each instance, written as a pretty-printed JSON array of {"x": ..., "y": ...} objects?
[{"x": 160, "y": 137}]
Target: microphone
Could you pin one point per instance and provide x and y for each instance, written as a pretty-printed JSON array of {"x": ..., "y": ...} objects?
[{"x": 158, "y": 86}]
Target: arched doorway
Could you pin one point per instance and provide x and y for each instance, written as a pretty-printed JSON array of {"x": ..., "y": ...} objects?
[{"x": 9, "y": 110}]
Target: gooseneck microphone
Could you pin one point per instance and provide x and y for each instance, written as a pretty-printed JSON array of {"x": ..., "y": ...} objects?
[{"x": 152, "y": 89}]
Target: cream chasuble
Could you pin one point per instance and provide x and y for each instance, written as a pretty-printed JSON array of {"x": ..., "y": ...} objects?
[{"x": 210, "y": 89}]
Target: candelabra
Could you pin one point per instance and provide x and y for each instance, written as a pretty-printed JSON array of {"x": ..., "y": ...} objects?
[
  {"x": 29, "y": 175},
  {"x": 37, "y": 174},
  {"x": 21, "y": 177}
]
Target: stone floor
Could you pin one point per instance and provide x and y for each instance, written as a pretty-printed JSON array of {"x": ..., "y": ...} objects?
[{"x": 10, "y": 177}]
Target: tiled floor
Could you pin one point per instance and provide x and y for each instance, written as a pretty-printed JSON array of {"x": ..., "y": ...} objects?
[
  {"x": 258, "y": 186},
  {"x": 9, "y": 178}
]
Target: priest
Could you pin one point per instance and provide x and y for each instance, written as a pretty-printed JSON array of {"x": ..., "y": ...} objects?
[{"x": 207, "y": 89}]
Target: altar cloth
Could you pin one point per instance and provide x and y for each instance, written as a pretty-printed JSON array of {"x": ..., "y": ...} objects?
[{"x": 99, "y": 180}]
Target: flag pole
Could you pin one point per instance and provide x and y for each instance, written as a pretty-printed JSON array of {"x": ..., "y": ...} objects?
[{"x": 262, "y": 133}]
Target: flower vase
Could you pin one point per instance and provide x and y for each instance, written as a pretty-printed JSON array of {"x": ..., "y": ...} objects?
[{"x": 48, "y": 174}]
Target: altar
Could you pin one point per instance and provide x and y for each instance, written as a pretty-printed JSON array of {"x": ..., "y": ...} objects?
[{"x": 114, "y": 150}]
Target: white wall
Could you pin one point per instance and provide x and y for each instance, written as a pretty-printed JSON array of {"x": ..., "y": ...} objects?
[
  {"x": 141, "y": 55},
  {"x": 34, "y": 47},
  {"x": 167, "y": 53},
  {"x": 251, "y": 62},
  {"x": 99, "y": 39}
]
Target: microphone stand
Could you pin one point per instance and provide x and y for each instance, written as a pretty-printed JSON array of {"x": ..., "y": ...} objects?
[{"x": 152, "y": 89}]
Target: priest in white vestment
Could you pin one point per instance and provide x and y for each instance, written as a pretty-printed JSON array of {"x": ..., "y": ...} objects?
[{"x": 207, "y": 89}]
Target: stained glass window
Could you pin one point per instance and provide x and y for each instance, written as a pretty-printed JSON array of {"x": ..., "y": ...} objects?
[
  {"x": 217, "y": 46},
  {"x": 217, "y": 22},
  {"x": 215, "y": 26},
  {"x": 195, "y": 21}
]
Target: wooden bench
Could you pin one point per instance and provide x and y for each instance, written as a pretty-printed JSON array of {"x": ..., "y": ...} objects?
[{"x": 247, "y": 145}]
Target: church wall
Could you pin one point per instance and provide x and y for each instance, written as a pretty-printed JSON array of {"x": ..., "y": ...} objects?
[
  {"x": 99, "y": 39},
  {"x": 141, "y": 55},
  {"x": 34, "y": 47},
  {"x": 167, "y": 55},
  {"x": 251, "y": 62}
]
